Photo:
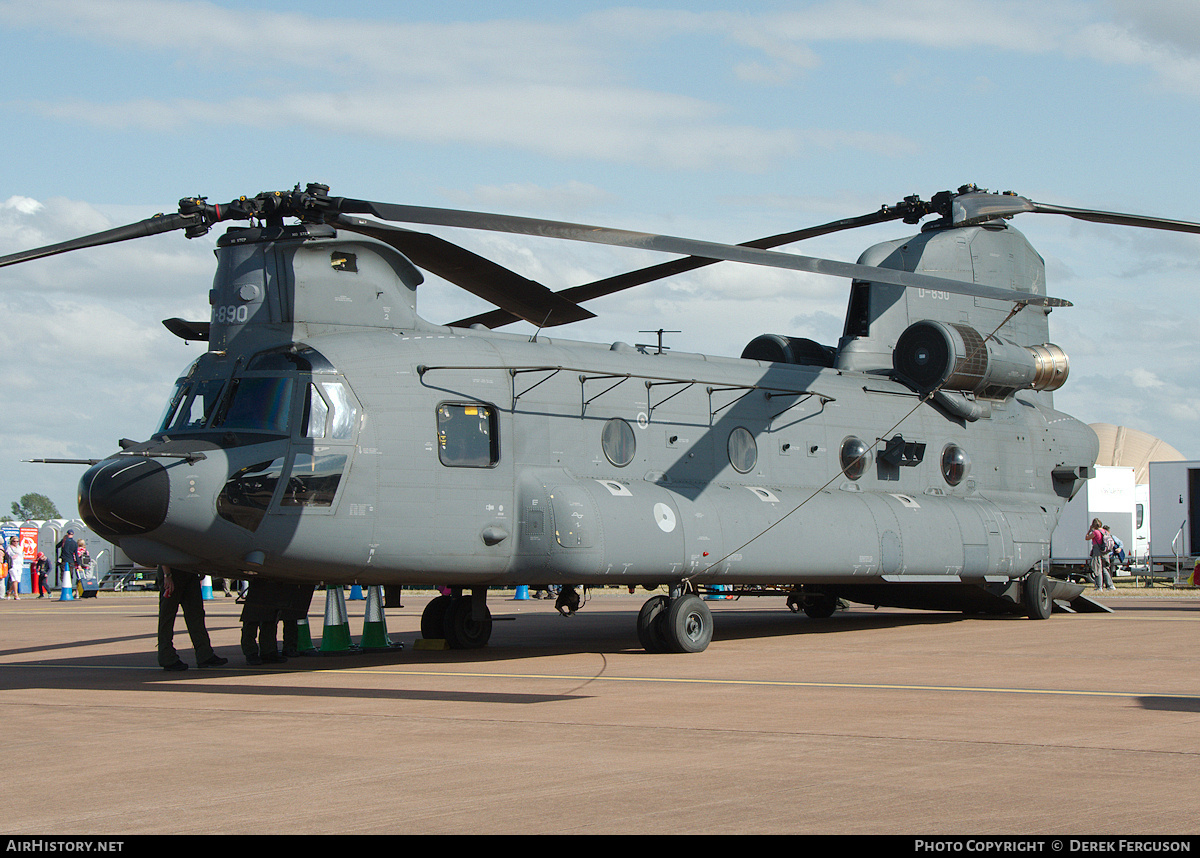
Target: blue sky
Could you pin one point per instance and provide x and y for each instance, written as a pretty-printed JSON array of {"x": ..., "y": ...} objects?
[{"x": 715, "y": 121}]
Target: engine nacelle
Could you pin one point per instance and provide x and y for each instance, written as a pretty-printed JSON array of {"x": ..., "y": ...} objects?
[
  {"x": 949, "y": 356},
  {"x": 777, "y": 348}
]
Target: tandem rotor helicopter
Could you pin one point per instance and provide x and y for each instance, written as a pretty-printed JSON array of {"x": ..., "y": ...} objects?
[{"x": 330, "y": 434}]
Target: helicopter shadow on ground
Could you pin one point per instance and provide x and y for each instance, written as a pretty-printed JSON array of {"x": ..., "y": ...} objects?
[
  {"x": 535, "y": 636},
  {"x": 1150, "y": 605},
  {"x": 1169, "y": 704},
  {"x": 139, "y": 674},
  {"x": 614, "y": 632},
  {"x": 147, "y": 637}
]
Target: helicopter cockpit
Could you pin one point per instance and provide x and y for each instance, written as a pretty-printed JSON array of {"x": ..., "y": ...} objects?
[
  {"x": 291, "y": 406},
  {"x": 258, "y": 400}
]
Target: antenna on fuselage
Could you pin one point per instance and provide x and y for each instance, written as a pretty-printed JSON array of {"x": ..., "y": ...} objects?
[{"x": 660, "y": 333}]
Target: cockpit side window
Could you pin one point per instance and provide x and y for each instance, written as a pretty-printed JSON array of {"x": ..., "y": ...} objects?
[
  {"x": 245, "y": 498},
  {"x": 316, "y": 411},
  {"x": 329, "y": 412},
  {"x": 343, "y": 411},
  {"x": 313, "y": 481}
]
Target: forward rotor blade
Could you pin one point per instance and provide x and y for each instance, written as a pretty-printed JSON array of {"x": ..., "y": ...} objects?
[
  {"x": 629, "y": 279},
  {"x": 150, "y": 226},
  {"x": 684, "y": 247},
  {"x": 523, "y": 298}
]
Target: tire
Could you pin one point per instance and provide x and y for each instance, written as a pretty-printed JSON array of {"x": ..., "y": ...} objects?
[
  {"x": 689, "y": 625},
  {"x": 820, "y": 606},
  {"x": 1035, "y": 595},
  {"x": 433, "y": 618},
  {"x": 650, "y": 624},
  {"x": 463, "y": 631}
]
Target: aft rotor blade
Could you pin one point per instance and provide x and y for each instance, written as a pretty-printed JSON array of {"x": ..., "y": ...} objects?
[
  {"x": 523, "y": 298},
  {"x": 629, "y": 279},
  {"x": 684, "y": 247},
  {"x": 1120, "y": 219},
  {"x": 973, "y": 208},
  {"x": 150, "y": 226}
]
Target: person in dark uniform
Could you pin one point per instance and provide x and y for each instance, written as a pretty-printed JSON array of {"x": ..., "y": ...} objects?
[
  {"x": 67, "y": 549},
  {"x": 178, "y": 589},
  {"x": 301, "y": 599},
  {"x": 265, "y": 600}
]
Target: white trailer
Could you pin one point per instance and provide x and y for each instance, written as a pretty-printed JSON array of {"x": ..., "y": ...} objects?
[
  {"x": 1175, "y": 514},
  {"x": 1110, "y": 496}
]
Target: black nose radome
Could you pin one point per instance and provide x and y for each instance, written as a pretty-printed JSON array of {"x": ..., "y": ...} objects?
[{"x": 124, "y": 496}]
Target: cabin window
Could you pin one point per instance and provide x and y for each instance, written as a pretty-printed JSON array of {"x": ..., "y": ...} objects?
[
  {"x": 743, "y": 451},
  {"x": 855, "y": 457},
  {"x": 956, "y": 464},
  {"x": 468, "y": 435},
  {"x": 618, "y": 442}
]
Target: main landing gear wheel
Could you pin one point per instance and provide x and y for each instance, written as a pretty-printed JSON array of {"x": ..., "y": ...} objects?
[
  {"x": 465, "y": 630},
  {"x": 452, "y": 619},
  {"x": 817, "y": 606},
  {"x": 433, "y": 618},
  {"x": 820, "y": 606},
  {"x": 650, "y": 624},
  {"x": 683, "y": 624},
  {"x": 1035, "y": 596},
  {"x": 689, "y": 624}
]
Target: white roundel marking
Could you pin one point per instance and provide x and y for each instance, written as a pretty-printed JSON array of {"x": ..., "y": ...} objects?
[{"x": 664, "y": 516}]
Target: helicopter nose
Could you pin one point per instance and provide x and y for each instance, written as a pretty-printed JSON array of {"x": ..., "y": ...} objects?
[{"x": 124, "y": 497}]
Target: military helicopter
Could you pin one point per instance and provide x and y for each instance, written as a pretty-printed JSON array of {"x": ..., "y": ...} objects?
[{"x": 330, "y": 434}]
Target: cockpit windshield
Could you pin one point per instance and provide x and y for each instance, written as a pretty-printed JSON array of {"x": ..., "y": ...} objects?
[
  {"x": 261, "y": 398},
  {"x": 192, "y": 405},
  {"x": 251, "y": 404},
  {"x": 257, "y": 405}
]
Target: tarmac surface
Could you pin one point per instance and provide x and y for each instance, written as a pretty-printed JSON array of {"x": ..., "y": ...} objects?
[{"x": 871, "y": 722}]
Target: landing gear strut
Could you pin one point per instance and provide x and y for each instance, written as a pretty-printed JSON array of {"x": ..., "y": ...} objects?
[{"x": 680, "y": 622}]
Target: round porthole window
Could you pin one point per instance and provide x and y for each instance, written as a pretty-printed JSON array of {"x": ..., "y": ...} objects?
[
  {"x": 743, "y": 451},
  {"x": 855, "y": 457},
  {"x": 956, "y": 464},
  {"x": 618, "y": 442}
]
